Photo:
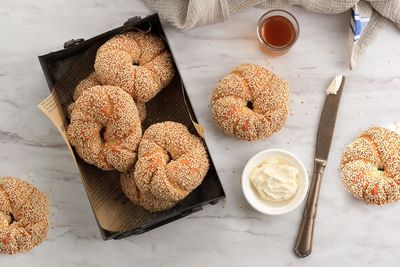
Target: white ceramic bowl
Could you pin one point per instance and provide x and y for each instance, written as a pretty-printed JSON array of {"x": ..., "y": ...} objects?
[{"x": 270, "y": 207}]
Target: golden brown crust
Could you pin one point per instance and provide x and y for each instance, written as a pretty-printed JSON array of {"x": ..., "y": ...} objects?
[
  {"x": 171, "y": 163},
  {"x": 249, "y": 83},
  {"x": 85, "y": 84},
  {"x": 111, "y": 109},
  {"x": 147, "y": 200},
  {"x": 92, "y": 81},
  {"x": 154, "y": 69},
  {"x": 370, "y": 166},
  {"x": 24, "y": 212},
  {"x": 141, "y": 107}
]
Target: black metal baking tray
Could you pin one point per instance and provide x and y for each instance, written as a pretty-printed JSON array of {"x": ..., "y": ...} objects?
[{"x": 116, "y": 216}]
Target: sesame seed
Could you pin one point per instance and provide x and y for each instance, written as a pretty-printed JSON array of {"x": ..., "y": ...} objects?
[
  {"x": 137, "y": 62},
  {"x": 370, "y": 166},
  {"x": 267, "y": 93},
  {"x": 111, "y": 109},
  {"x": 24, "y": 212},
  {"x": 171, "y": 163},
  {"x": 92, "y": 81}
]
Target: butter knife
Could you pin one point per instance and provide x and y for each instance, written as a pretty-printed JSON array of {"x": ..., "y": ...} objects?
[{"x": 327, "y": 121}]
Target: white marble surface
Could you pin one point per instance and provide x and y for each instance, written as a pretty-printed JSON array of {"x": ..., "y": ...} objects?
[{"x": 348, "y": 232}]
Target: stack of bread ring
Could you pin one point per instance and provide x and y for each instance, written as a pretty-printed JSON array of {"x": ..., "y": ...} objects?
[{"x": 168, "y": 162}]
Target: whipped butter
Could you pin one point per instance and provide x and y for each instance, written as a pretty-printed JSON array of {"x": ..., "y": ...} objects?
[
  {"x": 334, "y": 86},
  {"x": 275, "y": 180}
]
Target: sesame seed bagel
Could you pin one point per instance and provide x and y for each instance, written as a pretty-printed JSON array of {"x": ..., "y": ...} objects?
[
  {"x": 250, "y": 102},
  {"x": 145, "y": 199},
  {"x": 370, "y": 166},
  {"x": 85, "y": 84},
  {"x": 171, "y": 163},
  {"x": 91, "y": 81},
  {"x": 111, "y": 109},
  {"x": 137, "y": 62},
  {"x": 24, "y": 212}
]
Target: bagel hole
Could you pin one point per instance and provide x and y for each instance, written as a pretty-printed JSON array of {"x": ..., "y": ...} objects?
[
  {"x": 250, "y": 105},
  {"x": 102, "y": 131},
  {"x": 169, "y": 157},
  {"x": 12, "y": 218}
]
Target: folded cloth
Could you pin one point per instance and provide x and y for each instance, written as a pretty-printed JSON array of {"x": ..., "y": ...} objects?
[{"x": 367, "y": 16}]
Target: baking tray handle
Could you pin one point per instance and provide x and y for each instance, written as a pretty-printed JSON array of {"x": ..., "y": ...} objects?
[
  {"x": 73, "y": 42},
  {"x": 132, "y": 21}
]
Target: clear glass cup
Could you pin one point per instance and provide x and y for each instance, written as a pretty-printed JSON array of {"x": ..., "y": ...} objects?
[{"x": 277, "y": 22}]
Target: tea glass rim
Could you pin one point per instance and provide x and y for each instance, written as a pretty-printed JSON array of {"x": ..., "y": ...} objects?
[{"x": 268, "y": 45}]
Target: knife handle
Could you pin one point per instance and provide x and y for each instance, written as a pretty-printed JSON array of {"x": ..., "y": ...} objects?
[{"x": 304, "y": 238}]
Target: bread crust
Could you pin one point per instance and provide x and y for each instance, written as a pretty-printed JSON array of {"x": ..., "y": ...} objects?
[
  {"x": 92, "y": 81},
  {"x": 137, "y": 62},
  {"x": 370, "y": 166},
  {"x": 250, "y": 84},
  {"x": 171, "y": 163},
  {"x": 110, "y": 110},
  {"x": 24, "y": 212}
]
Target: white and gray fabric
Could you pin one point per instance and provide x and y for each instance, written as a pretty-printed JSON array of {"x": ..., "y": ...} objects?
[{"x": 367, "y": 16}]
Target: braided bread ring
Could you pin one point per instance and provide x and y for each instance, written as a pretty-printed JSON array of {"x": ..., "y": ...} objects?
[
  {"x": 113, "y": 110},
  {"x": 370, "y": 166},
  {"x": 24, "y": 212},
  {"x": 91, "y": 81},
  {"x": 250, "y": 103},
  {"x": 145, "y": 199},
  {"x": 154, "y": 69},
  {"x": 171, "y": 163}
]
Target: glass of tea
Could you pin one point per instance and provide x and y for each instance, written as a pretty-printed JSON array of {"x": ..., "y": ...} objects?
[{"x": 277, "y": 31}]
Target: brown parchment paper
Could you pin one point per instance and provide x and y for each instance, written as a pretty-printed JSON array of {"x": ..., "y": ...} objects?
[{"x": 114, "y": 212}]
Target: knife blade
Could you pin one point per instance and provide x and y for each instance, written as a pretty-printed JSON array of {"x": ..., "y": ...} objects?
[
  {"x": 303, "y": 245},
  {"x": 328, "y": 118}
]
